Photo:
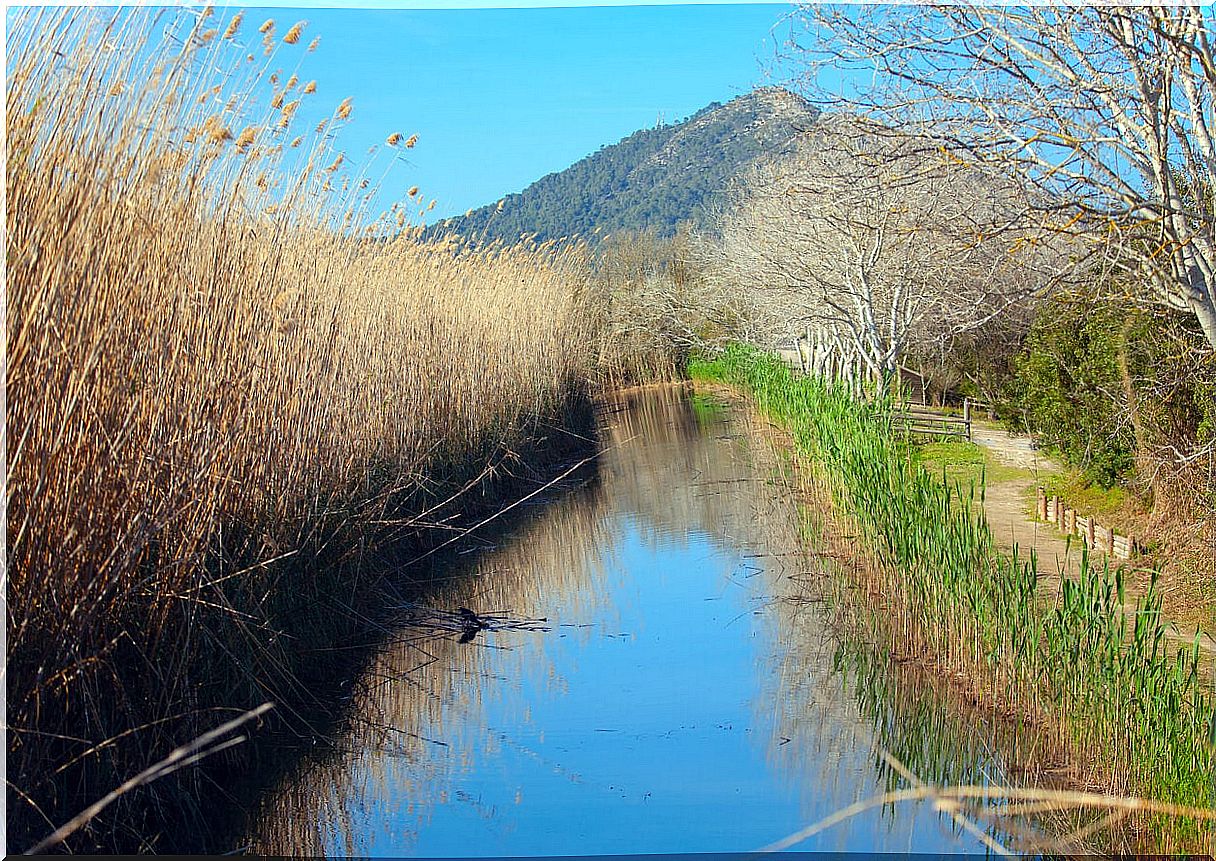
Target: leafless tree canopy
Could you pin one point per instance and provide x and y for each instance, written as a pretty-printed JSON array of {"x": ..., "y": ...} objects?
[
  {"x": 658, "y": 308},
  {"x": 878, "y": 243},
  {"x": 1108, "y": 111}
]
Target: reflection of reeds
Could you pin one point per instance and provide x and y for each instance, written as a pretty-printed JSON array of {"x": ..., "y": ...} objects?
[
  {"x": 692, "y": 469},
  {"x": 944, "y": 739},
  {"x": 418, "y": 707},
  {"x": 1142, "y": 717},
  {"x": 219, "y": 366},
  {"x": 421, "y": 694}
]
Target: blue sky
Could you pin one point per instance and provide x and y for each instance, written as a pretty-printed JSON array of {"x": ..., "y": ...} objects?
[{"x": 500, "y": 97}]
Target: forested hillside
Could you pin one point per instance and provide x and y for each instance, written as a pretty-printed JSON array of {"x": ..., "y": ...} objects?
[{"x": 652, "y": 180}]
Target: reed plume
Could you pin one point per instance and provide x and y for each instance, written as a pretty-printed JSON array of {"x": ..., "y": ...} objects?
[
  {"x": 210, "y": 383},
  {"x": 293, "y": 35}
]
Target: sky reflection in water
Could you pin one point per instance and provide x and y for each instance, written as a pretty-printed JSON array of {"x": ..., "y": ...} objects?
[{"x": 680, "y": 702}]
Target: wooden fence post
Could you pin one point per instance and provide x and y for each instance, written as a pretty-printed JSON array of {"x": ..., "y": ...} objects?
[
  {"x": 967, "y": 416},
  {"x": 1042, "y": 509},
  {"x": 1110, "y": 540},
  {"x": 1090, "y": 536}
]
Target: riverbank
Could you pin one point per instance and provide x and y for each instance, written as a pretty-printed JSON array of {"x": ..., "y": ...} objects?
[
  {"x": 1011, "y": 472},
  {"x": 1114, "y": 694},
  {"x": 335, "y": 609},
  {"x": 236, "y": 397}
]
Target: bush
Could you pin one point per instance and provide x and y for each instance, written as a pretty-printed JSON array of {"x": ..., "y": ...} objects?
[{"x": 1068, "y": 388}]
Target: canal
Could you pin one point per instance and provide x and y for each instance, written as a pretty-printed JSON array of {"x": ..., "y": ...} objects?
[{"x": 663, "y": 672}]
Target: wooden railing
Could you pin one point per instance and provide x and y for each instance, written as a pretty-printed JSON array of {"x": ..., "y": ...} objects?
[
  {"x": 913, "y": 420},
  {"x": 1096, "y": 536}
]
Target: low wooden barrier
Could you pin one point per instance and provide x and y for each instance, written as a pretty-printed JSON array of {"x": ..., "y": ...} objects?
[
  {"x": 1096, "y": 536},
  {"x": 914, "y": 421}
]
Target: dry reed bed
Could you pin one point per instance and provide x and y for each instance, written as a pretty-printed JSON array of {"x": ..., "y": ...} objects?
[{"x": 219, "y": 360}]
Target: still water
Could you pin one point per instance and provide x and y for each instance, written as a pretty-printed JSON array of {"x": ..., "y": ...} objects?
[{"x": 685, "y": 691}]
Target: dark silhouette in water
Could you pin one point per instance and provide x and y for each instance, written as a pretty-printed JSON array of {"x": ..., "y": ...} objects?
[
  {"x": 471, "y": 623},
  {"x": 467, "y": 623}
]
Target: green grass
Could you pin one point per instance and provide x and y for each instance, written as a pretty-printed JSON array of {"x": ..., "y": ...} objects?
[
  {"x": 1084, "y": 495},
  {"x": 1112, "y": 687},
  {"x": 1114, "y": 506},
  {"x": 965, "y": 463}
]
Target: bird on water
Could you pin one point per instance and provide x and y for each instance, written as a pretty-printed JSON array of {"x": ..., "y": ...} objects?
[{"x": 471, "y": 623}]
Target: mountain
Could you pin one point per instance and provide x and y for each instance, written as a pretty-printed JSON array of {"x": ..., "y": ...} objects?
[{"x": 656, "y": 178}]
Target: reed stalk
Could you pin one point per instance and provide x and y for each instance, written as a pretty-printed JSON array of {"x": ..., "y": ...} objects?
[{"x": 227, "y": 375}]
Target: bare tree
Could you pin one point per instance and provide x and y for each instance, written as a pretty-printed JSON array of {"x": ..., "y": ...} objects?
[
  {"x": 871, "y": 244},
  {"x": 658, "y": 307},
  {"x": 1107, "y": 110}
]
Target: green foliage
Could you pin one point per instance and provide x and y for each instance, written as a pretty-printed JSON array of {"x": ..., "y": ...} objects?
[
  {"x": 1069, "y": 389},
  {"x": 655, "y": 179},
  {"x": 1106, "y": 675},
  {"x": 1106, "y": 383},
  {"x": 1080, "y": 493}
]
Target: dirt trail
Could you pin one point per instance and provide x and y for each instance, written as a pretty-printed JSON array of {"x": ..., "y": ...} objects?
[
  {"x": 1011, "y": 449},
  {"x": 1005, "y": 505}
]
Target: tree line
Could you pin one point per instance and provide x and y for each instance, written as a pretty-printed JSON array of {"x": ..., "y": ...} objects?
[{"x": 1018, "y": 203}]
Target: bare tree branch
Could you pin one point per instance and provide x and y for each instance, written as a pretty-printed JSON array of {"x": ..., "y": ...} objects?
[
  {"x": 878, "y": 242},
  {"x": 1107, "y": 111}
]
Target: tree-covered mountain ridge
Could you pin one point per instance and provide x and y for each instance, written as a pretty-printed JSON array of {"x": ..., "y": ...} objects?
[{"x": 654, "y": 179}]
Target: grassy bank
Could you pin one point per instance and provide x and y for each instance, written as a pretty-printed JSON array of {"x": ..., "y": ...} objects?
[
  {"x": 230, "y": 380},
  {"x": 1186, "y": 565},
  {"x": 1109, "y": 688},
  {"x": 1175, "y": 537}
]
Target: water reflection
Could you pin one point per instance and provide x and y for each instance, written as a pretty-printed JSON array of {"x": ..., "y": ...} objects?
[{"x": 685, "y": 697}]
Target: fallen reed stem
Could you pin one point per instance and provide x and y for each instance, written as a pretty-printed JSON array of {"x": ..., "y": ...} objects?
[{"x": 180, "y": 757}]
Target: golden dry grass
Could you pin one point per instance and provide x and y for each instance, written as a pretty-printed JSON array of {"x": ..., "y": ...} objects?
[{"x": 216, "y": 356}]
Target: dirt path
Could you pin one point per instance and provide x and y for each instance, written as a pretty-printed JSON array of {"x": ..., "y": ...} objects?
[
  {"x": 1011, "y": 449},
  {"x": 1005, "y": 506},
  {"x": 1005, "y": 503}
]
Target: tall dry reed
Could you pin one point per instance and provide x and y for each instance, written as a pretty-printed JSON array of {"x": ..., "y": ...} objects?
[{"x": 221, "y": 358}]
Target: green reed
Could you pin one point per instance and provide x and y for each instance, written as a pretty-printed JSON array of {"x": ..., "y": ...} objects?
[{"x": 1105, "y": 679}]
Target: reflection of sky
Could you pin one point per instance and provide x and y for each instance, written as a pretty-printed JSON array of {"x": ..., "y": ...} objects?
[{"x": 641, "y": 734}]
